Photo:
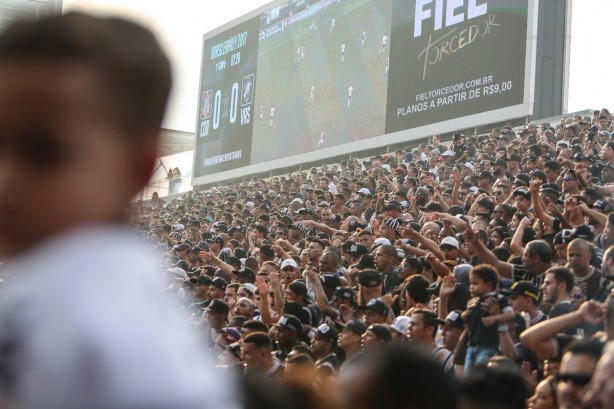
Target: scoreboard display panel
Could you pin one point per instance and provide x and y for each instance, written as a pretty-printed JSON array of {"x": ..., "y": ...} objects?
[{"x": 304, "y": 80}]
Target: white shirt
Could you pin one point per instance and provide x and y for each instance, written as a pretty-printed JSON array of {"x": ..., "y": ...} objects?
[{"x": 92, "y": 328}]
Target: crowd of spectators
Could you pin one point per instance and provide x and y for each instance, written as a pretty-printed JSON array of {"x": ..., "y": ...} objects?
[
  {"x": 492, "y": 253},
  {"x": 471, "y": 274}
]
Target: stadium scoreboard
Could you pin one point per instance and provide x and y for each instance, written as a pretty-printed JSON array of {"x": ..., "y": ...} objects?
[{"x": 303, "y": 80}]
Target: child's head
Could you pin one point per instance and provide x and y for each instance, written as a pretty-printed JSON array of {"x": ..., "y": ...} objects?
[
  {"x": 483, "y": 279},
  {"x": 81, "y": 103}
]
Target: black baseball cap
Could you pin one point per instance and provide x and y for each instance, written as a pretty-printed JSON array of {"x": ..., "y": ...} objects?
[
  {"x": 356, "y": 326},
  {"x": 358, "y": 249},
  {"x": 220, "y": 283},
  {"x": 381, "y": 331},
  {"x": 583, "y": 231},
  {"x": 369, "y": 278},
  {"x": 377, "y": 306},
  {"x": 563, "y": 237},
  {"x": 182, "y": 247},
  {"x": 432, "y": 207},
  {"x": 525, "y": 288},
  {"x": 291, "y": 322},
  {"x": 216, "y": 239},
  {"x": 328, "y": 333},
  {"x": 330, "y": 280},
  {"x": 217, "y": 305},
  {"x": 246, "y": 272},
  {"x": 345, "y": 292},
  {"x": 522, "y": 192},
  {"x": 202, "y": 280},
  {"x": 453, "y": 318},
  {"x": 299, "y": 287}
]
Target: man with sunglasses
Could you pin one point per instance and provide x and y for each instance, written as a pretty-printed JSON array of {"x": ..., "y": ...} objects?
[
  {"x": 571, "y": 185},
  {"x": 501, "y": 193},
  {"x": 577, "y": 366}
]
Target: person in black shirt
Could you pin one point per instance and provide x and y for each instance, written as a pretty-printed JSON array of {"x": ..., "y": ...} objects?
[
  {"x": 386, "y": 263},
  {"x": 323, "y": 346}
]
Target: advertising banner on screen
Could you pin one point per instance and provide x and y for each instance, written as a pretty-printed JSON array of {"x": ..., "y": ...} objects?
[
  {"x": 226, "y": 99},
  {"x": 453, "y": 58}
]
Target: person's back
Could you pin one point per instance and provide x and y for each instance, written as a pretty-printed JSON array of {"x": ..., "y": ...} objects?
[{"x": 84, "y": 321}]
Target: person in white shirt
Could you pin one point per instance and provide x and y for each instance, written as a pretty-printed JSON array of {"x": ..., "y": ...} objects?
[{"x": 84, "y": 321}]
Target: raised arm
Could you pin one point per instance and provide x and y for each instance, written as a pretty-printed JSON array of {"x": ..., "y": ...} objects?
[
  {"x": 263, "y": 291},
  {"x": 539, "y": 338},
  {"x": 437, "y": 265},
  {"x": 321, "y": 299},
  {"x": 225, "y": 267},
  {"x": 429, "y": 244},
  {"x": 516, "y": 243},
  {"x": 505, "y": 269}
]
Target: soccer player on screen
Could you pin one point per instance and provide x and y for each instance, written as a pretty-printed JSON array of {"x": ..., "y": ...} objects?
[
  {"x": 332, "y": 25},
  {"x": 271, "y": 116},
  {"x": 312, "y": 96},
  {"x": 384, "y": 43},
  {"x": 363, "y": 39},
  {"x": 321, "y": 142},
  {"x": 350, "y": 92},
  {"x": 261, "y": 113},
  {"x": 342, "y": 52},
  {"x": 387, "y": 67}
]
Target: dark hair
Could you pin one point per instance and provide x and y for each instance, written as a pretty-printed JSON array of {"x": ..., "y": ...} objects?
[
  {"x": 319, "y": 242},
  {"x": 507, "y": 209},
  {"x": 261, "y": 229},
  {"x": 429, "y": 318},
  {"x": 562, "y": 275},
  {"x": 541, "y": 248},
  {"x": 501, "y": 253},
  {"x": 267, "y": 251},
  {"x": 259, "y": 339},
  {"x": 257, "y": 326},
  {"x": 590, "y": 347},
  {"x": 303, "y": 349},
  {"x": 135, "y": 70},
  {"x": 300, "y": 359},
  {"x": 486, "y": 273},
  {"x": 416, "y": 287},
  {"x": 389, "y": 377},
  {"x": 389, "y": 250},
  {"x": 487, "y": 387}
]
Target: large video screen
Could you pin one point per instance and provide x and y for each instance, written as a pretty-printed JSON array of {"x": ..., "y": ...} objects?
[{"x": 309, "y": 76}]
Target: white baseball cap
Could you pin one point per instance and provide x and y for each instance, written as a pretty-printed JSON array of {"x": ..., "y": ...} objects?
[
  {"x": 450, "y": 241},
  {"x": 288, "y": 262},
  {"x": 400, "y": 325},
  {"x": 382, "y": 240}
]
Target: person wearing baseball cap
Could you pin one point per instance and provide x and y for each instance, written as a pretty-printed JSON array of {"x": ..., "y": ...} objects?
[
  {"x": 215, "y": 316},
  {"x": 217, "y": 289},
  {"x": 376, "y": 312},
  {"x": 452, "y": 329},
  {"x": 323, "y": 346},
  {"x": 524, "y": 297},
  {"x": 449, "y": 246},
  {"x": 245, "y": 275},
  {"x": 376, "y": 335},
  {"x": 349, "y": 340},
  {"x": 289, "y": 270},
  {"x": 399, "y": 328},
  {"x": 422, "y": 330},
  {"x": 289, "y": 331},
  {"x": 522, "y": 200}
]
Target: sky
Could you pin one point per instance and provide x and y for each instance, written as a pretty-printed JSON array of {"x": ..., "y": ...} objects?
[{"x": 180, "y": 26}]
